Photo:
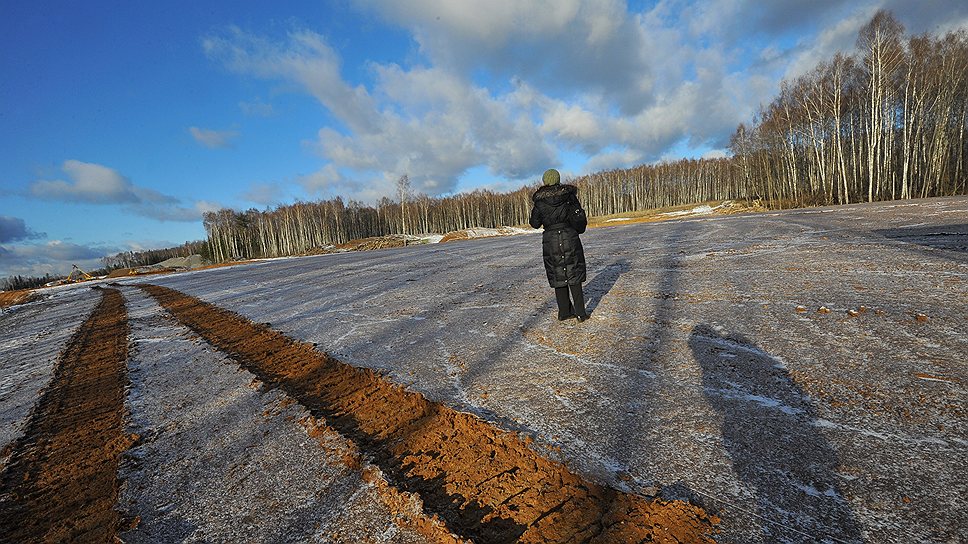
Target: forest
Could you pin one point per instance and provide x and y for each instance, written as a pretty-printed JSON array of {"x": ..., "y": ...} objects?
[{"x": 887, "y": 123}]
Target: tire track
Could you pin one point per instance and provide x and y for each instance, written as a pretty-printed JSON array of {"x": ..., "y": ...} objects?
[
  {"x": 486, "y": 484},
  {"x": 61, "y": 483}
]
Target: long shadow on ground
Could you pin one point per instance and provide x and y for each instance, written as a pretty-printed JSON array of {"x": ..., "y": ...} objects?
[
  {"x": 951, "y": 239},
  {"x": 769, "y": 434},
  {"x": 603, "y": 282}
]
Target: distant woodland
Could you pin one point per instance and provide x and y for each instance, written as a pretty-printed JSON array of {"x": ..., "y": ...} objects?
[
  {"x": 126, "y": 259},
  {"x": 888, "y": 123}
]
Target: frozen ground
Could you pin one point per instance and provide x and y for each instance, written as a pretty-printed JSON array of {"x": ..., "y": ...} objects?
[
  {"x": 31, "y": 337},
  {"x": 698, "y": 375},
  {"x": 222, "y": 460}
]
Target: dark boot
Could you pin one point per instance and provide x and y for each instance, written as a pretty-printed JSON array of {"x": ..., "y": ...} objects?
[
  {"x": 565, "y": 310},
  {"x": 579, "y": 298}
]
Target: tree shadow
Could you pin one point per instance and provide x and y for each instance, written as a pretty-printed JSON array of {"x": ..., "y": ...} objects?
[
  {"x": 640, "y": 406},
  {"x": 769, "y": 434},
  {"x": 951, "y": 239},
  {"x": 603, "y": 282}
]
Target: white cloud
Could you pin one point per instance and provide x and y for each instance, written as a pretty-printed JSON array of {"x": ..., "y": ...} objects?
[
  {"x": 715, "y": 154},
  {"x": 54, "y": 257},
  {"x": 306, "y": 60},
  {"x": 427, "y": 122},
  {"x": 564, "y": 46},
  {"x": 609, "y": 160},
  {"x": 213, "y": 139},
  {"x": 174, "y": 212},
  {"x": 512, "y": 85},
  {"x": 92, "y": 183},
  {"x": 572, "y": 122}
]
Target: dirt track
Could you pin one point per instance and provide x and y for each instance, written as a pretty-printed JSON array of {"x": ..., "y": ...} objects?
[
  {"x": 61, "y": 481},
  {"x": 485, "y": 483}
]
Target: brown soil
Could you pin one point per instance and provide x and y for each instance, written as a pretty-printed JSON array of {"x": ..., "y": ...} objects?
[
  {"x": 657, "y": 214},
  {"x": 456, "y": 235},
  {"x": 61, "y": 482},
  {"x": 465, "y": 234},
  {"x": 374, "y": 242},
  {"x": 485, "y": 483},
  {"x": 125, "y": 272},
  {"x": 360, "y": 244},
  {"x": 13, "y": 298}
]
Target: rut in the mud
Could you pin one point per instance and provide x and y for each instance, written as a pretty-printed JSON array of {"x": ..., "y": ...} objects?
[
  {"x": 61, "y": 482},
  {"x": 485, "y": 483}
]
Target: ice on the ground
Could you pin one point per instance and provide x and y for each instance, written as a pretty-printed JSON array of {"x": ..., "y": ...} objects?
[
  {"x": 31, "y": 338},
  {"x": 698, "y": 210},
  {"x": 629, "y": 398},
  {"x": 221, "y": 458}
]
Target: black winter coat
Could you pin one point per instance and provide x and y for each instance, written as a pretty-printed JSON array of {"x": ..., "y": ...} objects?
[{"x": 556, "y": 207}]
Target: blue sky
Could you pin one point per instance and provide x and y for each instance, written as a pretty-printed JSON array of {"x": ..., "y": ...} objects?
[{"x": 122, "y": 122}]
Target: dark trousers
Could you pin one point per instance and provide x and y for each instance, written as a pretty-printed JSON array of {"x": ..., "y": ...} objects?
[{"x": 570, "y": 308}]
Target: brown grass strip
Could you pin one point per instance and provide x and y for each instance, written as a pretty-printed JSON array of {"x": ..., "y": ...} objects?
[
  {"x": 485, "y": 483},
  {"x": 13, "y": 298},
  {"x": 61, "y": 482}
]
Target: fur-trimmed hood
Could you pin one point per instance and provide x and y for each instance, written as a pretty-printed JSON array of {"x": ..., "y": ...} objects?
[{"x": 551, "y": 191}]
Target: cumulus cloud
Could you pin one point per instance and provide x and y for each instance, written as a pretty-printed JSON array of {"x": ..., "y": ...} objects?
[
  {"x": 308, "y": 60},
  {"x": 213, "y": 139},
  {"x": 91, "y": 183},
  {"x": 594, "y": 46},
  {"x": 174, "y": 212},
  {"x": 54, "y": 257},
  {"x": 425, "y": 122},
  {"x": 14, "y": 229},
  {"x": 512, "y": 85},
  {"x": 611, "y": 159}
]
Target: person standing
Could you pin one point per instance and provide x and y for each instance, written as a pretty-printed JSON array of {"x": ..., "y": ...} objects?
[{"x": 556, "y": 207}]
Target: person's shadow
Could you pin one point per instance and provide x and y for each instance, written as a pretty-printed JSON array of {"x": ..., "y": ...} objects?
[
  {"x": 603, "y": 282},
  {"x": 768, "y": 433}
]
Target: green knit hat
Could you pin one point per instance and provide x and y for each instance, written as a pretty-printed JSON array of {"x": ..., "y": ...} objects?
[{"x": 551, "y": 177}]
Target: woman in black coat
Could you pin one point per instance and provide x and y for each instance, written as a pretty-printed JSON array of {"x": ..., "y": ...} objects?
[{"x": 556, "y": 207}]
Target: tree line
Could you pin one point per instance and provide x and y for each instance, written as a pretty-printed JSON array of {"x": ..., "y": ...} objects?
[
  {"x": 889, "y": 123},
  {"x": 148, "y": 257},
  {"x": 125, "y": 259},
  {"x": 13, "y": 283}
]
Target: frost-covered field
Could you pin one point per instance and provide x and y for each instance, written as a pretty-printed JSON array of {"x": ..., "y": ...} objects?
[{"x": 708, "y": 371}]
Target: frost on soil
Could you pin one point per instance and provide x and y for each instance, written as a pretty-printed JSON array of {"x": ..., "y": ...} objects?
[{"x": 707, "y": 372}]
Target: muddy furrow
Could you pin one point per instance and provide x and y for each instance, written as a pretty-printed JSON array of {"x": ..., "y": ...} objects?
[
  {"x": 485, "y": 483},
  {"x": 61, "y": 483}
]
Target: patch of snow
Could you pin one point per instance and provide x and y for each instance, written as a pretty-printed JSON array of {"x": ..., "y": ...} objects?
[
  {"x": 814, "y": 492},
  {"x": 428, "y": 238},
  {"x": 481, "y": 232},
  {"x": 888, "y": 437},
  {"x": 735, "y": 393},
  {"x": 698, "y": 210},
  {"x": 618, "y": 219}
]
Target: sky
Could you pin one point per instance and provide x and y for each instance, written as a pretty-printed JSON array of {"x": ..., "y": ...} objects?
[{"x": 121, "y": 123}]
